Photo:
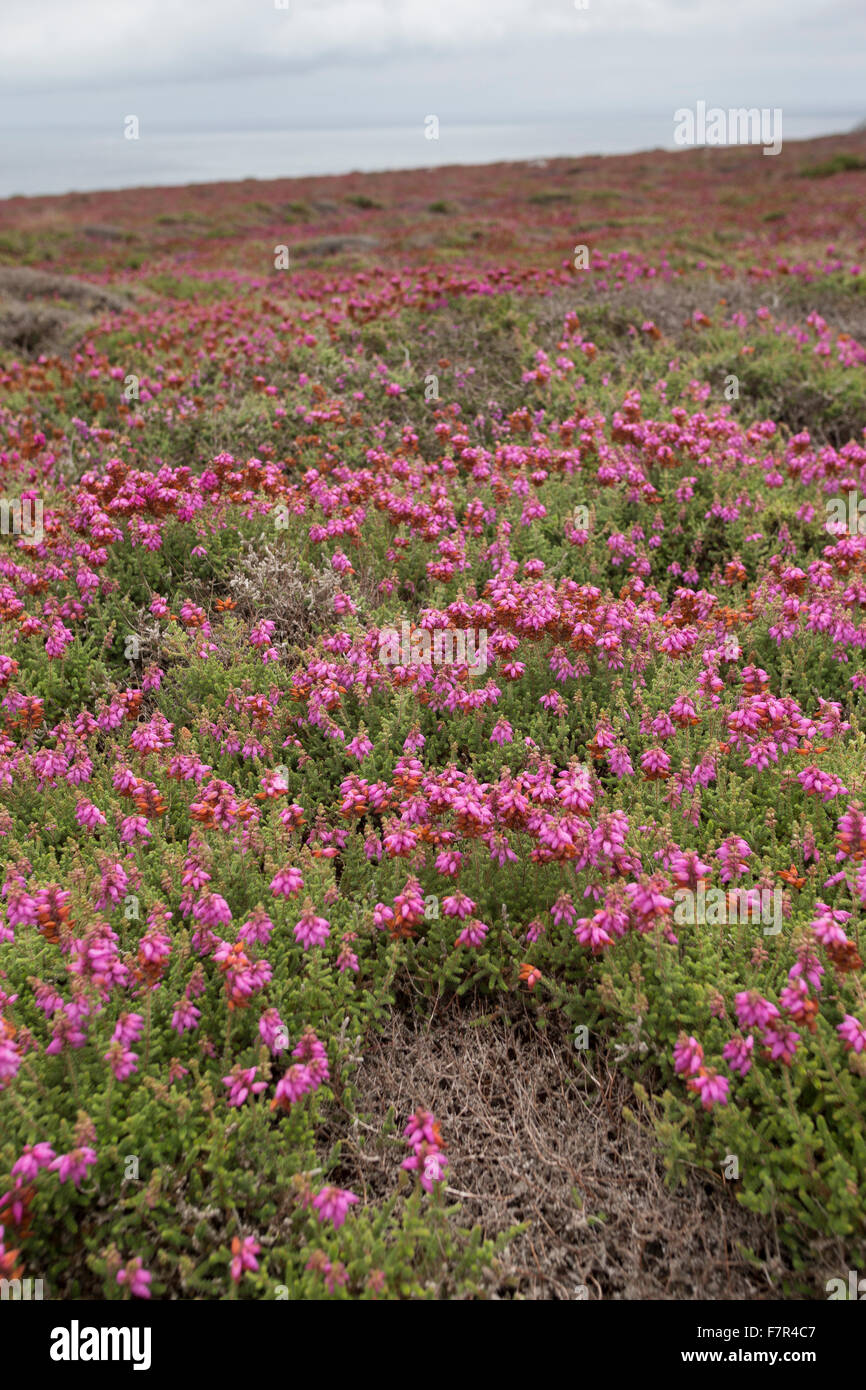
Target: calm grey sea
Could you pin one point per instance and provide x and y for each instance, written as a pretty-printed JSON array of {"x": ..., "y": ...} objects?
[{"x": 54, "y": 161}]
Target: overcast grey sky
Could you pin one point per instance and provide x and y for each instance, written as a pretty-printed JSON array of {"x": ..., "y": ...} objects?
[
  {"x": 206, "y": 77},
  {"x": 221, "y": 64}
]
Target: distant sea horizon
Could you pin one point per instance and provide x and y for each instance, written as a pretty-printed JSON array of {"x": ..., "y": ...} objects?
[{"x": 50, "y": 162}]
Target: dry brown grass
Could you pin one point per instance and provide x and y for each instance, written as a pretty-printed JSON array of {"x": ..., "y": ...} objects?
[
  {"x": 671, "y": 303},
  {"x": 536, "y": 1134},
  {"x": 41, "y": 312},
  {"x": 267, "y": 583}
]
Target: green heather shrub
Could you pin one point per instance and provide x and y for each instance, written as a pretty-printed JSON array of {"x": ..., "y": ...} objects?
[{"x": 239, "y": 836}]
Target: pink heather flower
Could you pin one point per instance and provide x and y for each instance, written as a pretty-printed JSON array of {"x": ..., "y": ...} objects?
[
  {"x": 827, "y": 925},
  {"x": 89, "y": 815},
  {"x": 21, "y": 909},
  {"x": 738, "y": 1054},
  {"x": 124, "y": 780},
  {"x": 662, "y": 726},
  {"x": 292, "y": 1085},
  {"x": 753, "y": 1010},
  {"x": 154, "y": 948},
  {"x": 429, "y": 1162},
  {"x": 502, "y": 732},
  {"x": 241, "y": 1084},
  {"x": 688, "y": 1055},
  {"x": 793, "y": 998},
  {"x": 74, "y": 1165},
  {"x": 272, "y": 1031},
  {"x": 11, "y": 1203},
  {"x": 258, "y": 929},
  {"x": 448, "y": 862},
  {"x": 203, "y": 940},
  {"x": 147, "y": 738},
  {"x": 422, "y": 1128},
  {"x": 8, "y": 668},
  {"x": 655, "y": 763},
  {"x": 10, "y": 1062},
  {"x": 683, "y": 711},
  {"x": 137, "y": 1277},
  {"x": 261, "y": 634},
  {"x": 409, "y": 905},
  {"x": 851, "y": 831},
  {"x": 432, "y": 1164},
  {"x": 335, "y": 1274},
  {"x": 554, "y": 702},
  {"x": 33, "y": 1157},
  {"x": 194, "y": 617},
  {"x": 781, "y": 1043},
  {"x": 733, "y": 853},
  {"x": 649, "y": 902},
  {"x": 851, "y": 1031},
  {"x": 382, "y": 916},
  {"x": 121, "y": 1061},
  {"x": 473, "y": 934},
  {"x": 185, "y": 1016},
  {"x": 312, "y": 930},
  {"x": 712, "y": 1088},
  {"x": 333, "y": 1203},
  {"x": 212, "y": 910},
  {"x": 807, "y": 967},
  {"x": 287, "y": 882},
  {"x": 534, "y": 930},
  {"x": 68, "y": 1030},
  {"x": 332, "y": 1274},
  {"x": 592, "y": 932},
  {"x": 360, "y": 747},
  {"x": 824, "y": 785},
  {"x": 242, "y": 976},
  {"x": 619, "y": 761},
  {"x": 115, "y": 883},
  {"x": 688, "y": 869},
  {"x": 194, "y": 876},
  {"x": 244, "y": 1256},
  {"x": 274, "y": 784},
  {"x": 574, "y": 789},
  {"x": 47, "y": 999},
  {"x": 563, "y": 909},
  {"x": 312, "y": 1051},
  {"x": 132, "y": 826},
  {"x": 59, "y": 639},
  {"x": 347, "y": 959},
  {"x": 128, "y": 1029},
  {"x": 400, "y": 841},
  {"x": 458, "y": 905}
]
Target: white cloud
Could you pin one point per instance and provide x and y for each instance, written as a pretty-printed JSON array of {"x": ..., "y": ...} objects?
[{"x": 109, "y": 42}]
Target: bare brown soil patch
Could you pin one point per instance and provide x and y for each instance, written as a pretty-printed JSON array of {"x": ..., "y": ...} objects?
[{"x": 536, "y": 1134}]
